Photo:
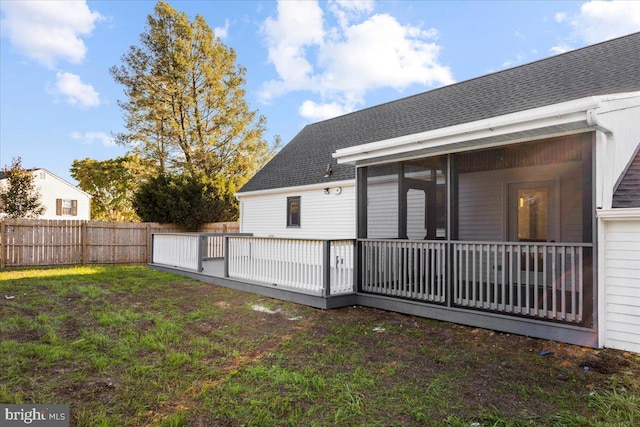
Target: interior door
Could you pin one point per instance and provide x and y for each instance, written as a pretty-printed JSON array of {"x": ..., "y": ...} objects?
[
  {"x": 533, "y": 212},
  {"x": 533, "y": 217}
]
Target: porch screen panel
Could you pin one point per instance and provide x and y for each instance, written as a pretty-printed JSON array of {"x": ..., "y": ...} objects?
[
  {"x": 382, "y": 202},
  {"x": 424, "y": 185}
]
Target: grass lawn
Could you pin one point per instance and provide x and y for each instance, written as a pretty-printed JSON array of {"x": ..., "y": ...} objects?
[{"x": 129, "y": 346}]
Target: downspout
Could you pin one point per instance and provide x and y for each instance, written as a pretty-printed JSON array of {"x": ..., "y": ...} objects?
[{"x": 608, "y": 150}]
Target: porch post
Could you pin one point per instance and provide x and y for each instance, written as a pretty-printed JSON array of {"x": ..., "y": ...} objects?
[
  {"x": 201, "y": 244},
  {"x": 361, "y": 203},
  {"x": 326, "y": 268},
  {"x": 402, "y": 203},
  {"x": 226, "y": 256},
  {"x": 452, "y": 223},
  {"x": 589, "y": 224},
  {"x": 361, "y": 225},
  {"x": 452, "y": 197}
]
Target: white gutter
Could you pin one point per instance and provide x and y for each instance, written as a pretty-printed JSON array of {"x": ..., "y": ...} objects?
[
  {"x": 573, "y": 115},
  {"x": 618, "y": 214},
  {"x": 297, "y": 189}
]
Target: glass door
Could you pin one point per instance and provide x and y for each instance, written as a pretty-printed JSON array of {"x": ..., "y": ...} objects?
[{"x": 533, "y": 214}]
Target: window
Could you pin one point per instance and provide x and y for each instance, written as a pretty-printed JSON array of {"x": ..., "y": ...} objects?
[
  {"x": 293, "y": 211},
  {"x": 66, "y": 207}
]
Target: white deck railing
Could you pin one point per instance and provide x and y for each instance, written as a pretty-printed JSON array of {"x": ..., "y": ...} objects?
[
  {"x": 543, "y": 280},
  {"x": 312, "y": 266},
  {"x": 404, "y": 268},
  {"x": 186, "y": 250},
  {"x": 177, "y": 250},
  {"x": 213, "y": 246},
  {"x": 341, "y": 264}
]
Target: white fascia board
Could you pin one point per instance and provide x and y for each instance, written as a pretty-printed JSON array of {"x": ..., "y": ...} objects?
[
  {"x": 549, "y": 116},
  {"x": 309, "y": 187},
  {"x": 618, "y": 214}
]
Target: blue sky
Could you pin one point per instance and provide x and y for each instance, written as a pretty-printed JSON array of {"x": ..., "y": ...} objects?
[{"x": 306, "y": 61}]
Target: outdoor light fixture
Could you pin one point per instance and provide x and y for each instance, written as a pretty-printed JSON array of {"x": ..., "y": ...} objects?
[{"x": 329, "y": 171}]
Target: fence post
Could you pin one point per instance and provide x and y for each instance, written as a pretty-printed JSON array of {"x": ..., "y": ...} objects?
[
  {"x": 83, "y": 242},
  {"x": 2, "y": 245},
  {"x": 326, "y": 268},
  {"x": 149, "y": 252},
  {"x": 150, "y": 246}
]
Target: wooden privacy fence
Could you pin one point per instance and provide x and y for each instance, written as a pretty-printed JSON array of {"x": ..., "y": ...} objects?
[{"x": 25, "y": 243}]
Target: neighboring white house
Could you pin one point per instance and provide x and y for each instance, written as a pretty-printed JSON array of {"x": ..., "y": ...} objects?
[
  {"x": 510, "y": 201},
  {"x": 61, "y": 199}
]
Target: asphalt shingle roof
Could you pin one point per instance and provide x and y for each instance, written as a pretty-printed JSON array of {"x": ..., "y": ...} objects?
[
  {"x": 604, "y": 68},
  {"x": 627, "y": 192}
]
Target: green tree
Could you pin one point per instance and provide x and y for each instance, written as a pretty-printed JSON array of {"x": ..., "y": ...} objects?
[
  {"x": 111, "y": 184},
  {"x": 19, "y": 198},
  {"x": 186, "y": 200},
  {"x": 186, "y": 109}
]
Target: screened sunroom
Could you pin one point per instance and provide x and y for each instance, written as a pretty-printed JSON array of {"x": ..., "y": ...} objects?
[{"x": 505, "y": 230}]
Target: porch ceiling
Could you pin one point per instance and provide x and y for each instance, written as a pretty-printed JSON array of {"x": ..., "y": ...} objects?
[
  {"x": 427, "y": 149},
  {"x": 554, "y": 120}
]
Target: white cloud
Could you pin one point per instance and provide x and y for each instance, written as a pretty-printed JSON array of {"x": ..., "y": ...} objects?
[
  {"x": 299, "y": 25},
  {"x": 316, "y": 112},
  {"x": 599, "y": 21},
  {"x": 512, "y": 62},
  {"x": 560, "y": 17},
  {"x": 341, "y": 63},
  {"x": 223, "y": 32},
  {"x": 560, "y": 49},
  {"x": 48, "y": 31},
  {"x": 75, "y": 91},
  {"x": 346, "y": 11},
  {"x": 604, "y": 20},
  {"x": 382, "y": 53},
  {"x": 92, "y": 137}
]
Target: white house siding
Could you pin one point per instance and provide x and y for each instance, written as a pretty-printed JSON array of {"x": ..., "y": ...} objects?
[
  {"x": 618, "y": 229},
  {"x": 53, "y": 188},
  {"x": 483, "y": 200},
  {"x": 621, "y": 323},
  {"x": 614, "y": 150},
  {"x": 322, "y": 216}
]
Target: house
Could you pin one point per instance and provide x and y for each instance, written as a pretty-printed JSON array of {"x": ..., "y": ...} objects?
[
  {"x": 509, "y": 202},
  {"x": 61, "y": 199}
]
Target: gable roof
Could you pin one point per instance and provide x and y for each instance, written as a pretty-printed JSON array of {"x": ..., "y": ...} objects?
[
  {"x": 67, "y": 183},
  {"x": 605, "y": 68},
  {"x": 627, "y": 190},
  {"x": 3, "y": 175}
]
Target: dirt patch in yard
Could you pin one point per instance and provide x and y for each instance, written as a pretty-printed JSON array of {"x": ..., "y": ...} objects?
[{"x": 180, "y": 352}]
